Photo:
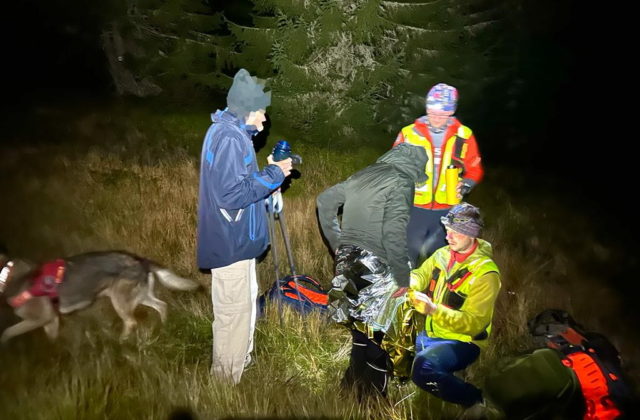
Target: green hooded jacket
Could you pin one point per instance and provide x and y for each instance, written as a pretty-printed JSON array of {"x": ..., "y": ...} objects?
[{"x": 375, "y": 207}]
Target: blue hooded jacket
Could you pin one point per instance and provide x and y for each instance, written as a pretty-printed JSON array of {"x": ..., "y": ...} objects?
[{"x": 232, "y": 218}]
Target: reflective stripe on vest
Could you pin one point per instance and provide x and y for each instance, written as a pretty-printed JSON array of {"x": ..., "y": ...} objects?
[{"x": 454, "y": 151}]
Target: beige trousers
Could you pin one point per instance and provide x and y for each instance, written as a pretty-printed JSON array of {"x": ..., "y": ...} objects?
[{"x": 234, "y": 290}]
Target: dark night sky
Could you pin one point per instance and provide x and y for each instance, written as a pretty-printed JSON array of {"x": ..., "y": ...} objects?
[{"x": 53, "y": 45}]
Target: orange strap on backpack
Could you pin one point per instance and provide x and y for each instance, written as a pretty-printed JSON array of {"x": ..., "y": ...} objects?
[{"x": 594, "y": 387}]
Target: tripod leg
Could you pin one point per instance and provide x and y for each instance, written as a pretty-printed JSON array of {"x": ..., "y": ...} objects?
[
  {"x": 274, "y": 255},
  {"x": 287, "y": 245},
  {"x": 274, "y": 247}
]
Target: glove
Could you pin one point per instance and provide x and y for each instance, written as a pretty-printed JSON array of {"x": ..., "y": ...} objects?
[{"x": 275, "y": 202}]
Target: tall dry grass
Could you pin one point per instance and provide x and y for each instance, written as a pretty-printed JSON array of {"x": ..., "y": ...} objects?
[{"x": 139, "y": 192}]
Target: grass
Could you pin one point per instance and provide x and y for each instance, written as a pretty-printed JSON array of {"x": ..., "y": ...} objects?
[{"x": 127, "y": 178}]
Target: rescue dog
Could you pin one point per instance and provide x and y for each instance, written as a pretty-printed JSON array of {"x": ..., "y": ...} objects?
[{"x": 126, "y": 279}]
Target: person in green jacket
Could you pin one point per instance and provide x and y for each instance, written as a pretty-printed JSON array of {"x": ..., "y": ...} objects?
[
  {"x": 456, "y": 288},
  {"x": 372, "y": 261}
]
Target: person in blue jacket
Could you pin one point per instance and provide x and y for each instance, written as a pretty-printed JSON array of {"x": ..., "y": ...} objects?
[{"x": 232, "y": 220}]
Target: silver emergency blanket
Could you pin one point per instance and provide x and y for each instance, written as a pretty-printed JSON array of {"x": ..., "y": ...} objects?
[{"x": 362, "y": 290}]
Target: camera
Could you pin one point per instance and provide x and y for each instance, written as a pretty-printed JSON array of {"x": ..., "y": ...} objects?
[{"x": 282, "y": 151}]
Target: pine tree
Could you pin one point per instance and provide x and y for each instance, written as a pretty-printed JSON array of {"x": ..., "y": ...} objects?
[
  {"x": 165, "y": 45},
  {"x": 459, "y": 42},
  {"x": 349, "y": 68},
  {"x": 352, "y": 70},
  {"x": 330, "y": 62}
]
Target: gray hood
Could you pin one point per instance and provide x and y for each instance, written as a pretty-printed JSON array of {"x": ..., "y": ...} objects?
[{"x": 408, "y": 159}]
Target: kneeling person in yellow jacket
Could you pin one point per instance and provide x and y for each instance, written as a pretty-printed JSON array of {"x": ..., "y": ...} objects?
[{"x": 456, "y": 288}]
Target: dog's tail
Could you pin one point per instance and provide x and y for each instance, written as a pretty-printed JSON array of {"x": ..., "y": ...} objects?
[{"x": 173, "y": 281}]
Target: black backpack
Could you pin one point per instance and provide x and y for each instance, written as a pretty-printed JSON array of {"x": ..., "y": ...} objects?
[{"x": 572, "y": 374}]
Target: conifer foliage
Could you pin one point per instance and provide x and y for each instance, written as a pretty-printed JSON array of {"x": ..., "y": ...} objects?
[
  {"x": 465, "y": 43},
  {"x": 331, "y": 62},
  {"x": 353, "y": 68},
  {"x": 339, "y": 69}
]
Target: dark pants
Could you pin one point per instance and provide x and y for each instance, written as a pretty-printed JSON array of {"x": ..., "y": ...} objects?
[
  {"x": 369, "y": 368},
  {"x": 425, "y": 234},
  {"x": 436, "y": 360}
]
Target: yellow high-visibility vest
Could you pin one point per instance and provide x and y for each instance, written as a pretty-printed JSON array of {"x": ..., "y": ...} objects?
[{"x": 424, "y": 195}]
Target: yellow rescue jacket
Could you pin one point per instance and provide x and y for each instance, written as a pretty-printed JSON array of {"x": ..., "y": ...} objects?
[{"x": 465, "y": 294}]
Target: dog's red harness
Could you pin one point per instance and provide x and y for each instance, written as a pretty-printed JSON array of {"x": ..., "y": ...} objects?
[{"x": 44, "y": 283}]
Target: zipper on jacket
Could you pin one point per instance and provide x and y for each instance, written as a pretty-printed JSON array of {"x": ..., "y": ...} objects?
[
  {"x": 252, "y": 222},
  {"x": 433, "y": 171},
  {"x": 442, "y": 150}
]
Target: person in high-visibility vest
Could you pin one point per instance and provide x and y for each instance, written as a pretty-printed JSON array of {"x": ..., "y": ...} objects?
[
  {"x": 456, "y": 288},
  {"x": 452, "y": 155}
]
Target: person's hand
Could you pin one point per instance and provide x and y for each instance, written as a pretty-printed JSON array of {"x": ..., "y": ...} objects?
[
  {"x": 285, "y": 165},
  {"x": 462, "y": 189},
  {"x": 459, "y": 190},
  {"x": 400, "y": 292},
  {"x": 422, "y": 303}
]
